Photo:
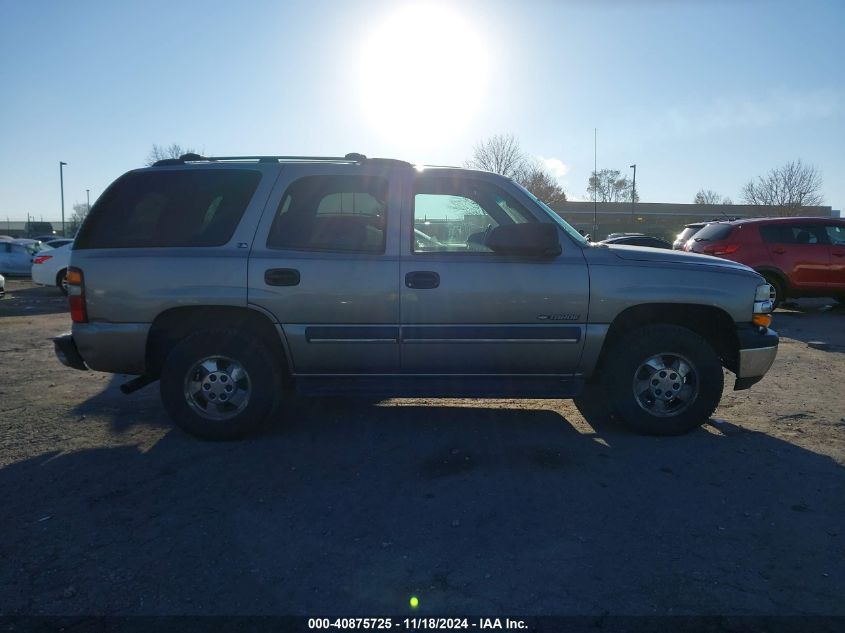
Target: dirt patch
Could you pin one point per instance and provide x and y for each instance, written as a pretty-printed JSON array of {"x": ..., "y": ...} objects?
[{"x": 484, "y": 507}]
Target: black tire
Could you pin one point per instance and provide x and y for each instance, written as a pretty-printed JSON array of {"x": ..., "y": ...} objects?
[
  {"x": 779, "y": 293},
  {"x": 230, "y": 348},
  {"x": 60, "y": 281},
  {"x": 624, "y": 368}
]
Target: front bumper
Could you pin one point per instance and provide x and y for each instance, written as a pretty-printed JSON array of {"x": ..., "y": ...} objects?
[
  {"x": 758, "y": 348},
  {"x": 67, "y": 353}
]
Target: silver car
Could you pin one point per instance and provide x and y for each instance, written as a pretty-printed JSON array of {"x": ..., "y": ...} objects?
[{"x": 233, "y": 281}]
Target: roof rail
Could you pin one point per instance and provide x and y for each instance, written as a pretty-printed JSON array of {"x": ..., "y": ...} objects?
[{"x": 349, "y": 158}]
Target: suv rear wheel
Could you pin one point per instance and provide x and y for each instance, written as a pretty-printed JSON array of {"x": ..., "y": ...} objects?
[
  {"x": 219, "y": 385},
  {"x": 662, "y": 380}
]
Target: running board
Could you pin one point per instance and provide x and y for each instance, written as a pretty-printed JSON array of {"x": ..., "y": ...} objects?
[{"x": 440, "y": 386}]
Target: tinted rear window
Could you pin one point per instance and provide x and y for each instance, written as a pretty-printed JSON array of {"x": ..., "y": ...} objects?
[
  {"x": 193, "y": 207},
  {"x": 332, "y": 213},
  {"x": 713, "y": 232},
  {"x": 783, "y": 233}
]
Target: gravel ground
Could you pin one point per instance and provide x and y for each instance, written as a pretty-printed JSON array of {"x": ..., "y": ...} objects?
[{"x": 485, "y": 507}]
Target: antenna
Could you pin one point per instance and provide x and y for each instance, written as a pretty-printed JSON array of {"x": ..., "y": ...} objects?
[{"x": 595, "y": 183}]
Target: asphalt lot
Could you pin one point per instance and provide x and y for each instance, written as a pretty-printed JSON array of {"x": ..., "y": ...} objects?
[{"x": 348, "y": 507}]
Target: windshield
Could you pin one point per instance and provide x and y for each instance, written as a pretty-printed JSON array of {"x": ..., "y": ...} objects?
[{"x": 571, "y": 231}]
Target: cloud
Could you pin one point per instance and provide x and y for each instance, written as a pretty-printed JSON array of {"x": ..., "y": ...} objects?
[{"x": 555, "y": 167}]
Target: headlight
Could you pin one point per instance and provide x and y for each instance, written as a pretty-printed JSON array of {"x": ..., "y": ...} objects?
[
  {"x": 763, "y": 305},
  {"x": 763, "y": 299}
]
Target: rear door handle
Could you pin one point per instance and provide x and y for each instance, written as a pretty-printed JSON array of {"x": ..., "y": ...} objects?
[
  {"x": 779, "y": 251},
  {"x": 839, "y": 254},
  {"x": 281, "y": 277},
  {"x": 422, "y": 279}
]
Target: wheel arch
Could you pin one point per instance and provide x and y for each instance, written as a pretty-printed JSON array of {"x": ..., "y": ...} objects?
[
  {"x": 778, "y": 274},
  {"x": 174, "y": 324},
  {"x": 712, "y": 323}
]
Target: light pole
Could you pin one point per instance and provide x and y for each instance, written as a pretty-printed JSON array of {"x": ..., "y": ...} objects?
[
  {"x": 62, "y": 186},
  {"x": 633, "y": 191}
]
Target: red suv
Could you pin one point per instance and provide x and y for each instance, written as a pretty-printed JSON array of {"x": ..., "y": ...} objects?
[{"x": 799, "y": 257}]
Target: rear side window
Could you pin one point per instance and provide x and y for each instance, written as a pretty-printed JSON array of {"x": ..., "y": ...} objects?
[
  {"x": 193, "y": 207},
  {"x": 332, "y": 213},
  {"x": 793, "y": 234},
  {"x": 714, "y": 232},
  {"x": 836, "y": 234}
]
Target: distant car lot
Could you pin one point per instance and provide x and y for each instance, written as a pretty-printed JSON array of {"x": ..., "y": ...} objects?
[{"x": 476, "y": 506}]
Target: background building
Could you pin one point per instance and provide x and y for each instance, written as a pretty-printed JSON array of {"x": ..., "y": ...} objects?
[{"x": 14, "y": 228}]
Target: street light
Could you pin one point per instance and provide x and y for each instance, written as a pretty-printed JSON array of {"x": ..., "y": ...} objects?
[
  {"x": 88, "y": 198},
  {"x": 633, "y": 190},
  {"x": 62, "y": 186}
]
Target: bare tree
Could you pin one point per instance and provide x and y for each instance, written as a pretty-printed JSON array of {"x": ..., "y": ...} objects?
[
  {"x": 174, "y": 150},
  {"x": 790, "y": 187},
  {"x": 77, "y": 216},
  {"x": 501, "y": 154},
  {"x": 542, "y": 184},
  {"x": 708, "y": 196},
  {"x": 608, "y": 185}
]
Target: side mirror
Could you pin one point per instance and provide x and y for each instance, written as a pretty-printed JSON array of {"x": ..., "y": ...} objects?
[{"x": 535, "y": 239}]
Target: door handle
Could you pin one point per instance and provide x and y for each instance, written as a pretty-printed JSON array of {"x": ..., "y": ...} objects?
[
  {"x": 835, "y": 254},
  {"x": 779, "y": 251},
  {"x": 422, "y": 279},
  {"x": 281, "y": 277}
]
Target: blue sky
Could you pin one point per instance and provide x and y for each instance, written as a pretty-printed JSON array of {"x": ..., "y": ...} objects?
[{"x": 703, "y": 94}]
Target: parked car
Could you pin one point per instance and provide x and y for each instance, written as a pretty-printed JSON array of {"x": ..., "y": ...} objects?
[
  {"x": 637, "y": 239},
  {"x": 799, "y": 257},
  {"x": 38, "y": 245},
  {"x": 59, "y": 242},
  {"x": 46, "y": 238},
  {"x": 280, "y": 274},
  {"x": 2, "y": 286},
  {"x": 16, "y": 256},
  {"x": 688, "y": 231},
  {"x": 49, "y": 268}
]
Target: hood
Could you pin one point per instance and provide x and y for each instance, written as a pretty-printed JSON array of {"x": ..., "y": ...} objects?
[{"x": 663, "y": 255}]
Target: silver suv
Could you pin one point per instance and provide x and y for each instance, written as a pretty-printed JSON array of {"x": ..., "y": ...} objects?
[{"x": 235, "y": 281}]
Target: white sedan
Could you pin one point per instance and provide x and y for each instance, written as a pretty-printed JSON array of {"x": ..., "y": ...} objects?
[{"x": 49, "y": 267}]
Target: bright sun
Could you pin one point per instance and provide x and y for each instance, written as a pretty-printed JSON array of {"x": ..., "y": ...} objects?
[{"x": 423, "y": 74}]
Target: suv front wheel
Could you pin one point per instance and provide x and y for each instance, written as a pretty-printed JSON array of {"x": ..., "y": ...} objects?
[
  {"x": 219, "y": 385},
  {"x": 662, "y": 380}
]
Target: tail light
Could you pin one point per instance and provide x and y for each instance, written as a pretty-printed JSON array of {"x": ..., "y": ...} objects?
[
  {"x": 76, "y": 295},
  {"x": 720, "y": 249},
  {"x": 40, "y": 259}
]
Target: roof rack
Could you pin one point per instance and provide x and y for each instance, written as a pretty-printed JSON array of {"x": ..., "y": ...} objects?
[{"x": 349, "y": 158}]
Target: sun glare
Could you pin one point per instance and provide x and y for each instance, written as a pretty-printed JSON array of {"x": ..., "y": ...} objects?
[{"x": 423, "y": 74}]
